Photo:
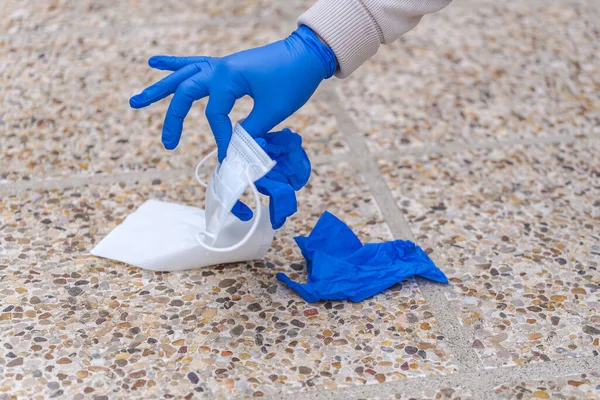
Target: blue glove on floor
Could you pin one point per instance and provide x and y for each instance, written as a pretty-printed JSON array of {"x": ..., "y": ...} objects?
[
  {"x": 280, "y": 77},
  {"x": 340, "y": 267},
  {"x": 290, "y": 173}
]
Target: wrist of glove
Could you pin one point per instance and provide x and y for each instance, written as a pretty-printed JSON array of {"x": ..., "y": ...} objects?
[{"x": 318, "y": 45}]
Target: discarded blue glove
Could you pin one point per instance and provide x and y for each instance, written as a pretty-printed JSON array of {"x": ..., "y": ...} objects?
[
  {"x": 280, "y": 77},
  {"x": 340, "y": 267},
  {"x": 290, "y": 173}
]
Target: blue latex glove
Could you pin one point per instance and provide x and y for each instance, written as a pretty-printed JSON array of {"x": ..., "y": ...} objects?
[
  {"x": 290, "y": 173},
  {"x": 340, "y": 267},
  {"x": 280, "y": 77}
]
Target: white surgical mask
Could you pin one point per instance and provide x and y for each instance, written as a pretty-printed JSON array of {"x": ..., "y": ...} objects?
[
  {"x": 164, "y": 236},
  {"x": 245, "y": 163},
  {"x": 161, "y": 236}
]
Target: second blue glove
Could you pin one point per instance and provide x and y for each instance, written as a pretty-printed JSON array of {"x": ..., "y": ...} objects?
[{"x": 289, "y": 175}]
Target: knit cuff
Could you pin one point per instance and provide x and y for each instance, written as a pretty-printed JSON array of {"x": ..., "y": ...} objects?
[{"x": 348, "y": 29}]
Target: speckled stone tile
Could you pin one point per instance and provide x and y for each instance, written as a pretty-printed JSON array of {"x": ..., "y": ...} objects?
[
  {"x": 517, "y": 232},
  {"x": 72, "y": 324},
  {"x": 575, "y": 387},
  {"x": 66, "y": 111},
  {"x": 26, "y": 17},
  {"x": 482, "y": 71}
]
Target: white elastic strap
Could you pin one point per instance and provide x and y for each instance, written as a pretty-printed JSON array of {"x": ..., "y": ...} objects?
[
  {"x": 257, "y": 215},
  {"x": 197, "y": 171}
]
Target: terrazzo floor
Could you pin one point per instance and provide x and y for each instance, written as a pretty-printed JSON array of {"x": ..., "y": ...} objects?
[{"x": 477, "y": 135}]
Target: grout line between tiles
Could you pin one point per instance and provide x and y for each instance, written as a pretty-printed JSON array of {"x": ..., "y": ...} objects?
[
  {"x": 458, "y": 339},
  {"x": 456, "y": 147},
  {"x": 490, "y": 378},
  {"x": 63, "y": 182},
  {"x": 60, "y": 182},
  {"x": 480, "y": 383}
]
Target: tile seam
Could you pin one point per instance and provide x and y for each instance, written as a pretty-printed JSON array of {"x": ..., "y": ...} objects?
[
  {"x": 63, "y": 182},
  {"x": 491, "y": 378},
  {"x": 481, "y": 382},
  {"x": 457, "y": 147},
  {"x": 458, "y": 339}
]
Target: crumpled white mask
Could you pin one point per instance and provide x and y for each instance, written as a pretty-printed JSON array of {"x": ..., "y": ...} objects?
[
  {"x": 163, "y": 236},
  {"x": 245, "y": 163}
]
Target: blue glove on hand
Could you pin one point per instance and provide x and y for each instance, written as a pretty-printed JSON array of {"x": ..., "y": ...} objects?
[
  {"x": 280, "y": 77},
  {"x": 290, "y": 174}
]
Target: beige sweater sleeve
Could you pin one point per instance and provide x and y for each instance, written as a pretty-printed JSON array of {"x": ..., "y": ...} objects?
[{"x": 354, "y": 29}]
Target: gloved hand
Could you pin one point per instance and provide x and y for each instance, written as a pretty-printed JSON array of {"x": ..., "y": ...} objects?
[
  {"x": 280, "y": 77},
  {"x": 290, "y": 173}
]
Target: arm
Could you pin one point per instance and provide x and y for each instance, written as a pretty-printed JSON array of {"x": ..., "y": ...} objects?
[{"x": 354, "y": 29}]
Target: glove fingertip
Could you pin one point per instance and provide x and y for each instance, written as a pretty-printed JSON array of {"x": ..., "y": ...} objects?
[
  {"x": 154, "y": 61},
  {"x": 222, "y": 144},
  {"x": 136, "y": 102},
  {"x": 170, "y": 145},
  {"x": 242, "y": 211},
  {"x": 221, "y": 153},
  {"x": 281, "y": 277},
  {"x": 307, "y": 295},
  {"x": 277, "y": 224},
  {"x": 169, "y": 140}
]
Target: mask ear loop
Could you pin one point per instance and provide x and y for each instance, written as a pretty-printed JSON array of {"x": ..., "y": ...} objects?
[
  {"x": 256, "y": 219},
  {"x": 197, "y": 171}
]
